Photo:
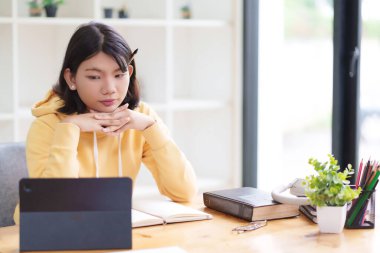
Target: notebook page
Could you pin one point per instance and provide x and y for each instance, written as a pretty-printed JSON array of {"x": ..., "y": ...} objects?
[
  {"x": 169, "y": 211},
  {"x": 140, "y": 219}
]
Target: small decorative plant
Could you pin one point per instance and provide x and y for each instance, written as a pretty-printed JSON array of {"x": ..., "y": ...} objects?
[
  {"x": 51, "y": 6},
  {"x": 52, "y": 2},
  {"x": 34, "y": 4},
  {"x": 35, "y": 9},
  {"x": 329, "y": 187},
  {"x": 123, "y": 12},
  {"x": 186, "y": 11}
]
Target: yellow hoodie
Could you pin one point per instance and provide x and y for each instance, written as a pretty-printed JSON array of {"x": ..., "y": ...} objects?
[{"x": 55, "y": 149}]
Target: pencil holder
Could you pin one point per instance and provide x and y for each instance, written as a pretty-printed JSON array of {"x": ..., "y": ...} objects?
[{"x": 361, "y": 214}]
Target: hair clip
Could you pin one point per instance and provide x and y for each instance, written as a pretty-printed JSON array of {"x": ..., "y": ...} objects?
[
  {"x": 251, "y": 226},
  {"x": 133, "y": 55}
]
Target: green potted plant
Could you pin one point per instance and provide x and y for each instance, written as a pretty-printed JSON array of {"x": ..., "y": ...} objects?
[
  {"x": 330, "y": 191},
  {"x": 51, "y": 7},
  {"x": 123, "y": 12},
  {"x": 35, "y": 9},
  {"x": 186, "y": 11}
]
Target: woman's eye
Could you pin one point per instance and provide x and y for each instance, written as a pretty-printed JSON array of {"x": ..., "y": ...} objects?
[
  {"x": 120, "y": 75},
  {"x": 93, "y": 77}
]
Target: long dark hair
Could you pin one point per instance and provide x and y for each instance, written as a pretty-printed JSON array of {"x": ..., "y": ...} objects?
[{"x": 88, "y": 40}]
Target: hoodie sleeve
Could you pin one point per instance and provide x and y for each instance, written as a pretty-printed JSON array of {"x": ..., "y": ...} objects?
[
  {"x": 51, "y": 148},
  {"x": 51, "y": 151},
  {"x": 170, "y": 168}
]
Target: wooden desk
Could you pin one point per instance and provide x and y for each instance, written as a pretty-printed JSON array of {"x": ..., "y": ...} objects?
[{"x": 287, "y": 235}]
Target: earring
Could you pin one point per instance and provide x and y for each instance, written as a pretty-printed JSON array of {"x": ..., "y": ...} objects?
[{"x": 72, "y": 87}]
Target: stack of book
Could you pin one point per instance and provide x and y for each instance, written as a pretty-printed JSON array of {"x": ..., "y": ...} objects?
[{"x": 310, "y": 212}]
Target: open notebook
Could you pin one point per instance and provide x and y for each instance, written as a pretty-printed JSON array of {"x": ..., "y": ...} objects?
[{"x": 155, "y": 212}]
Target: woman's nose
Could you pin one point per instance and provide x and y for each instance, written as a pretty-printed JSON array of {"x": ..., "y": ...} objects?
[{"x": 108, "y": 86}]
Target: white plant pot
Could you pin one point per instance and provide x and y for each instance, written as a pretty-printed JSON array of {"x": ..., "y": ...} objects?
[{"x": 331, "y": 219}]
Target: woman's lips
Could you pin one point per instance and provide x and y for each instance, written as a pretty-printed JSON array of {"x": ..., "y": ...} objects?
[{"x": 108, "y": 102}]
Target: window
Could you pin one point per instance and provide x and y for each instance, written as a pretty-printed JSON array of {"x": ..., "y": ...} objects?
[
  {"x": 369, "y": 120},
  {"x": 295, "y": 88}
]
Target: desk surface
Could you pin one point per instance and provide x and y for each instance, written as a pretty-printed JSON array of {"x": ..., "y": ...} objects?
[{"x": 286, "y": 235}]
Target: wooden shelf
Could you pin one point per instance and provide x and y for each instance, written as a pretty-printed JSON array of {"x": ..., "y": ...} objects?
[
  {"x": 5, "y": 20},
  {"x": 6, "y": 116},
  {"x": 118, "y": 22},
  {"x": 78, "y": 21},
  {"x": 198, "y": 23}
]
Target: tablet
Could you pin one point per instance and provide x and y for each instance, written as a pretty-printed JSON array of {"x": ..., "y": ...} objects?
[{"x": 75, "y": 214}]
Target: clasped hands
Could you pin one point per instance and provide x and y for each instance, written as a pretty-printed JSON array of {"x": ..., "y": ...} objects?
[{"x": 111, "y": 123}]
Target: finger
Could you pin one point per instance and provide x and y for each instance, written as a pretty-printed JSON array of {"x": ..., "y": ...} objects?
[
  {"x": 122, "y": 115},
  {"x": 111, "y": 122},
  {"x": 125, "y": 106},
  {"x": 98, "y": 128},
  {"x": 123, "y": 128},
  {"x": 116, "y": 128},
  {"x": 111, "y": 134},
  {"x": 117, "y": 114},
  {"x": 93, "y": 111},
  {"x": 121, "y": 108},
  {"x": 104, "y": 116},
  {"x": 114, "y": 122},
  {"x": 110, "y": 129}
]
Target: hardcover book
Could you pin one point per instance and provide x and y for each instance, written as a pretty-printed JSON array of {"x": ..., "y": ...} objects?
[
  {"x": 155, "y": 212},
  {"x": 249, "y": 204}
]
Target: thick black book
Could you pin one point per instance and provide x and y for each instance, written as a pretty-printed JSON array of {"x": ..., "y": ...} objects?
[{"x": 249, "y": 204}]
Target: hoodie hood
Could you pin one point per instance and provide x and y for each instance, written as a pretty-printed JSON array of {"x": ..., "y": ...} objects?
[{"x": 49, "y": 105}]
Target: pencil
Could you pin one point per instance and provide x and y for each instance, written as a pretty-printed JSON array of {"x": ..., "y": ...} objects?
[{"x": 359, "y": 174}]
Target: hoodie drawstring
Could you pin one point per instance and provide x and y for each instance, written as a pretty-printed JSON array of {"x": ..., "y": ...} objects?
[
  {"x": 119, "y": 155},
  {"x": 96, "y": 156}
]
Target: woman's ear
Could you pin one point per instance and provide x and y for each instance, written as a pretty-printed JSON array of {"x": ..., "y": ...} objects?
[
  {"x": 70, "y": 79},
  {"x": 130, "y": 70}
]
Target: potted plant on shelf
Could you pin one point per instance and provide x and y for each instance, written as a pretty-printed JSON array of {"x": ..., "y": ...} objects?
[
  {"x": 186, "y": 11},
  {"x": 108, "y": 12},
  {"x": 123, "y": 12},
  {"x": 51, "y": 7},
  {"x": 35, "y": 9},
  {"x": 329, "y": 190}
]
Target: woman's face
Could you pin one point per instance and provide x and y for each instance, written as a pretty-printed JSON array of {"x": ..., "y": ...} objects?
[{"x": 100, "y": 83}]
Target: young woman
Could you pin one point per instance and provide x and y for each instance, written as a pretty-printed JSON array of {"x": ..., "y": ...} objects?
[{"x": 92, "y": 124}]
